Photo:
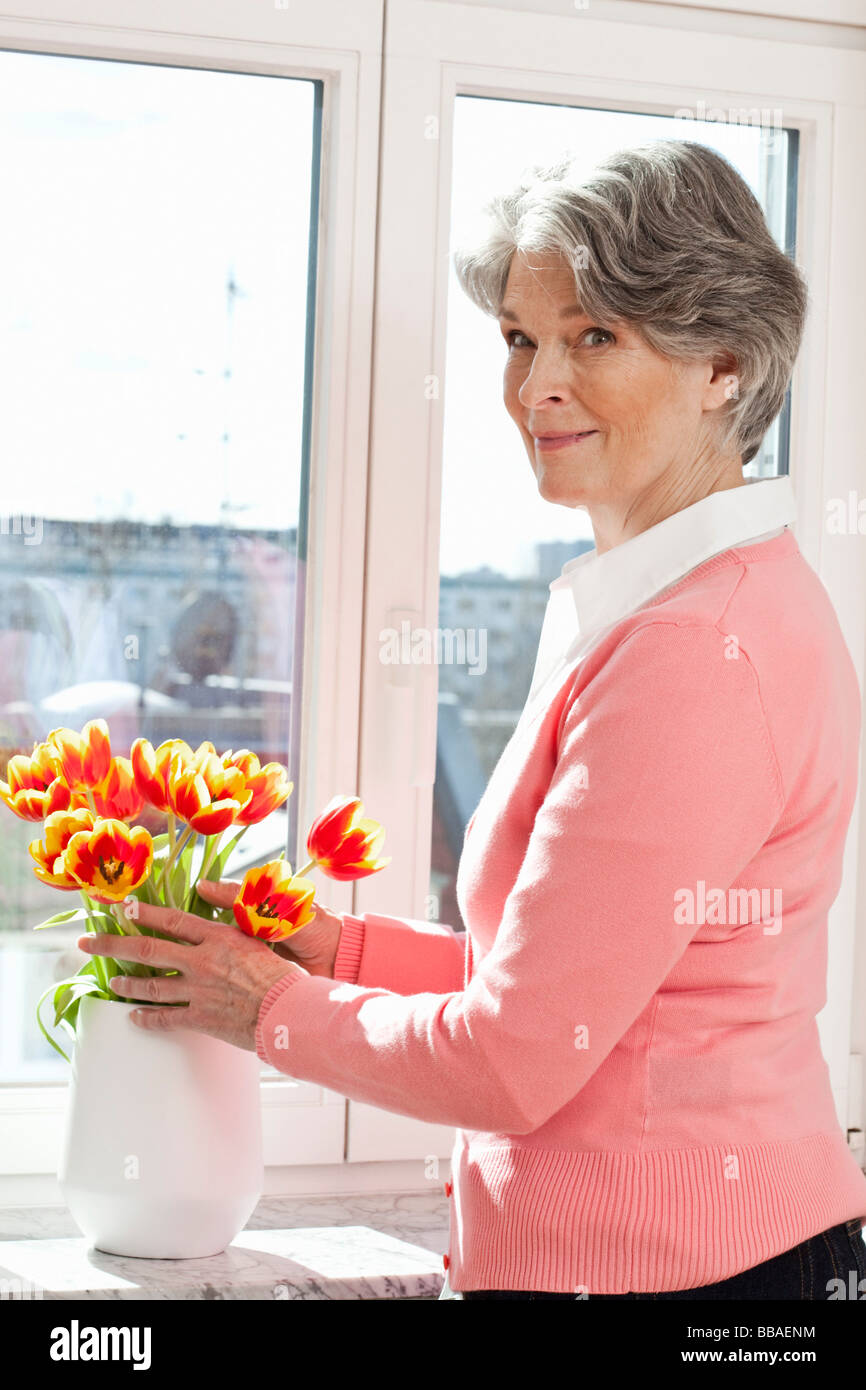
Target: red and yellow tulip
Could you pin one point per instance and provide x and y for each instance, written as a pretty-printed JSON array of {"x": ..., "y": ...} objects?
[
  {"x": 269, "y": 786},
  {"x": 110, "y": 860},
  {"x": 84, "y": 758},
  {"x": 206, "y": 795},
  {"x": 86, "y": 796},
  {"x": 36, "y": 787},
  {"x": 59, "y": 829},
  {"x": 117, "y": 797},
  {"x": 272, "y": 904},
  {"x": 151, "y": 768},
  {"x": 343, "y": 844}
]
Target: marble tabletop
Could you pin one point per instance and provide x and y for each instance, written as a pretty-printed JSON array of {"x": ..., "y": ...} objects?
[{"x": 370, "y": 1245}]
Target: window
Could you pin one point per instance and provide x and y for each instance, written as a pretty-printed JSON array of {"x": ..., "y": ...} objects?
[
  {"x": 153, "y": 340},
  {"x": 209, "y": 162}
]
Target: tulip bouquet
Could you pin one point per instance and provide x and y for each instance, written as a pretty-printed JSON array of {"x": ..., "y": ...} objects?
[{"x": 89, "y": 799}]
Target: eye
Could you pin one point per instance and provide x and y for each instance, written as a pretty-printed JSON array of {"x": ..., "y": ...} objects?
[
  {"x": 589, "y": 333},
  {"x": 606, "y": 335}
]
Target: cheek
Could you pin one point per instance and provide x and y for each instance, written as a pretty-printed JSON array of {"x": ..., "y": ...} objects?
[{"x": 635, "y": 397}]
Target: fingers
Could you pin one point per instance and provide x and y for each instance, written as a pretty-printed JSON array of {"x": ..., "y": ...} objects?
[
  {"x": 221, "y": 894},
  {"x": 173, "y": 921}
]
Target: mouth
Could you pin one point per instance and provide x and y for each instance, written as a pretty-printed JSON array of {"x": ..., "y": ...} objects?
[{"x": 546, "y": 443}]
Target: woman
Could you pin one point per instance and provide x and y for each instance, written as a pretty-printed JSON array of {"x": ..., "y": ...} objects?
[{"x": 628, "y": 1044}]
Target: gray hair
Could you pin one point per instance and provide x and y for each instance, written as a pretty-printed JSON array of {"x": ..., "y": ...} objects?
[{"x": 669, "y": 238}]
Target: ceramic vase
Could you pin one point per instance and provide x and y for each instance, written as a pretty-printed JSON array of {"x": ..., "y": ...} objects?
[{"x": 162, "y": 1145}]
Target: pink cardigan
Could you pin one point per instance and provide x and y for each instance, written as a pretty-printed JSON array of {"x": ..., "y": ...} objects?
[{"x": 628, "y": 1046}]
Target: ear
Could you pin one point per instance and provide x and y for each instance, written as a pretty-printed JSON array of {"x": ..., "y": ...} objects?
[{"x": 723, "y": 384}]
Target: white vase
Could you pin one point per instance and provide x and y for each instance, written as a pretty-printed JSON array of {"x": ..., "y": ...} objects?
[{"x": 162, "y": 1149}]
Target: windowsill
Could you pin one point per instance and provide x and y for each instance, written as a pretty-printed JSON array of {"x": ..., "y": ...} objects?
[{"x": 353, "y": 1245}]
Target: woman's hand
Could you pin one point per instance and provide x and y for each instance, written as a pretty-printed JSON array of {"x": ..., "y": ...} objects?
[
  {"x": 314, "y": 946},
  {"x": 224, "y": 974}
]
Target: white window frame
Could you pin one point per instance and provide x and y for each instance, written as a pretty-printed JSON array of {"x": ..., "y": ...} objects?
[
  {"x": 434, "y": 51},
  {"x": 338, "y": 42}
]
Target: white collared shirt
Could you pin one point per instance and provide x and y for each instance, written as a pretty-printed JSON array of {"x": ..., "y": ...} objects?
[{"x": 595, "y": 591}]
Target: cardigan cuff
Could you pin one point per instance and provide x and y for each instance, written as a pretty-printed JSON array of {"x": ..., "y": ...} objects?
[
  {"x": 276, "y": 990},
  {"x": 347, "y": 961}
]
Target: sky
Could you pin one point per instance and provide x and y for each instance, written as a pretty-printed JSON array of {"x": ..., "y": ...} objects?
[
  {"x": 136, "y": 189},
  {"x": 132, "y": 193}
]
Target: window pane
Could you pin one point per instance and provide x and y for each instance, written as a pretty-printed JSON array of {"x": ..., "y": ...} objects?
[
  {"x": 502, "y": 543},
  {"x": 154, "y": 341}
]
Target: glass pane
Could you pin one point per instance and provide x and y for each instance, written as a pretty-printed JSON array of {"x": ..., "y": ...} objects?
[
  {"x": 154, "y": 333},
  {"x": 501, "y": 542}
]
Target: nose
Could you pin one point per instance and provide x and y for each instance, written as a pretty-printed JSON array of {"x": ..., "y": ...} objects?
[{"x": 550, "y": 378}]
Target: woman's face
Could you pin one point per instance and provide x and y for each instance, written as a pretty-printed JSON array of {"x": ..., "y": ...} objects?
[{"x": 637, "y": 426}]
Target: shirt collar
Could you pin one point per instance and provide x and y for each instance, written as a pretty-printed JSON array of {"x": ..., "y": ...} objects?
[{"x": 608, "y": 586}]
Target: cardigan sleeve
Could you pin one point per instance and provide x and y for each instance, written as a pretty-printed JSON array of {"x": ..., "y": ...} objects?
[
  {"x": 401, "y": 954},
  {"x": 665, "y": 775}
]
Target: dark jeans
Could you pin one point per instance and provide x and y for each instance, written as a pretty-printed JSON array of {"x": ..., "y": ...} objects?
[{"x": 831, "y": 1265}]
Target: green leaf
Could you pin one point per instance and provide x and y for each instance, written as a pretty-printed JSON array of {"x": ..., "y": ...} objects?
[
  {"x": 215, "y": 872},
  {"x": 114, "y": 928},
  {"x": 84, "y": 984},
  {"x": 137, "y": 967},
  {"x": 87, "y": 969},
  {"x": 199, "y": 908},
  {"x": 102, "y": 922},
  {"x": 69, "y": 1021},
  {"x": 76, "y": 914},
  {"x": 160, "y": 842},
  {"x": 179, "y": 875},
  {"x": 59, "y": 998},
  {"x": 40, "y": 1001},
  {"x": 42, "y": 1028},
  {"x": 146, "y": 892},
  {"x": 109, "y": 926}
]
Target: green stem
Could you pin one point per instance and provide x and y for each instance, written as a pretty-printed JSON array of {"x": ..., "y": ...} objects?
[
  {"x": 299, "y": 873},
  {"x": 127, "y": 924},
  {"x": 101, "y": 963},
  {"x": 169, "y": 858},
  {"x": 128, "y": 927},
  {"x": 177, "y": 847},
  {"x": 208, "y": 857}
]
